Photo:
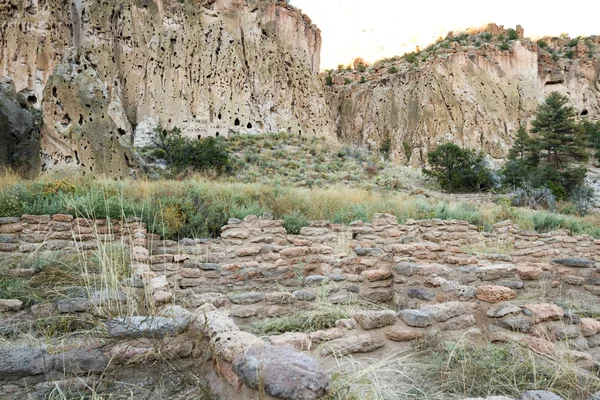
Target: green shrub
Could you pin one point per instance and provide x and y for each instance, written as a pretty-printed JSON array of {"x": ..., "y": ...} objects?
[
  {"x": 512, "y": 34},
  {"x": 393, "y": 69},
  {"x": 542, "y": 44},
  {"x": 294, "y": 222},
  {"x": 347, "y": 81},
  {"x": 363, "y": 79},
  {"x": 458, "y": 169},
  {"x": 182, "y": 153},
  {"x": 504, "y": 46},
  {"x": 329, "y": 80},
  {"x": 361, "y": 68}
]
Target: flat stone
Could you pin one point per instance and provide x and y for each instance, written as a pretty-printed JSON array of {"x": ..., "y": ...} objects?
[
  {"x": 162, "y": 297},
  {"x": 315, "y": 279},
  {"x": 378, "y": 295},
  {"x": 16, "y": 363},
  {"x": 416, "y": 318},
  {"x": 326, "y": 335},
  {"x": 544, "y": 312},
  {"x": 142, "y": 326},
  {"x": 216, "y": 299},
  {"x": 459, "y": 323},
  {"x": 502, "y": 310},
  {"x": 281, "y": 298},
  {"x": 375, "y": 319},
  {"x": 510, "y": 284},
  {"x": 84, "y": 360},
  {"x": 304, "y": 295},
  {"x": 444, "y": 311},
  {"x": 10, "y": 305},
  {"x": 494, "y": 294},
  {"x": 522, "y": 325},
  {"x": 73, "y": 305},
  {"x": 567, "y": 332},
  {"x": 539, "y": 395},
  {"x": 243, "y": 311},
  {"x": 575, "y": 262},
  {"x": 282, "y": 372},
  {"x": 421, "y": 294},
  {"x": 377, "y": 275},
  {"x": 363, "y": 343},
  {"x": 232, "y": 344},
  {"x": 403, "y": 335},
  {"x": 211, "y": 322},
  {"x": 529, "y": 273},
  {"x": 298, "y": 340},
  {"x": 246, "y": 298}
]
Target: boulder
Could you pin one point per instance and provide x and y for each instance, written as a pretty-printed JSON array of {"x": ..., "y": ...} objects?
[
  {"x": 10, "y": 305},
  {"x": 281, "y": 372},
  {"x": 304, "y": 295}
]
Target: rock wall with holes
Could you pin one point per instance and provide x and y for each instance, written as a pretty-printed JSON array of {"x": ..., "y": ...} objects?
[
  {"x": 106, "y": 73},
  {"x": 475, "y": 97}
]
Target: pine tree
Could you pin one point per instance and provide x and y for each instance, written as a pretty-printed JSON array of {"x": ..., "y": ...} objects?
[
  {"x": 559, "y": 136},
  {"x": 524, "y": 148}
]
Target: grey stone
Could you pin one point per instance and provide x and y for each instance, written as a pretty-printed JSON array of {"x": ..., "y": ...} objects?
[
  {"x": 10, "y": 305},
  {"x": 246, "y": 298},
  {"x": 8, "y": 238},
  {"x": 458, "y": 323},
  {"x": 304, "y": 295},
  {"x": 539, "y": 395},
  {"x": 16, "y": 363},
  {"x": 176, "y": 312},
  {"x": 515, "y": 324},
  {"x": 234, "y": 221},
  {"x": 363, "y": 343},
  {"x": 337, "y": 277},
  {"x": 107, "y": 298},
  {"x": 73, "y": 305},
  {"x": 502, "y": 310},
  {"x": 282, "y": 372},
  {"x": 9, "y": 220},
  {"x": 209, "y": 266},
  {"x": 375, "y": 319},
  {"x": 81, "y": 361},
  {"x": 133, "y": 282},
  {"x": 510, "y": 284},
  {"x": 594, "y": 282},
  {"x": 571, "y": 318},
  {"x": 567, "y": 332},
  {"x": 575, "y": 262},
  {"x": 466, "y": 293},
  {"x": 444, "y": 311},
  {"x": 315, "y": 279},
  {"x": 361, "y": 251},
  {"x": 421, "y": 294},
  {"x": 340, "y": 299},
  {"x": 406, "y": 269},
  {"x": 595, "y": 396},
  {"x": 142, "y": 326},
  {"x": 416, "y": 318}
]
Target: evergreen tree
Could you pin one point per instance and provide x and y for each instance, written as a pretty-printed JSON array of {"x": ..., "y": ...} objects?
[{"x": 559, "y": 136}]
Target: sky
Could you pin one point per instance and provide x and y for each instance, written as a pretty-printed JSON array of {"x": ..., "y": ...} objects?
[{"x": 374, "y": 29}]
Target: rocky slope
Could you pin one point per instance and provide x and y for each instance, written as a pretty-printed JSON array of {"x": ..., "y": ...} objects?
[
  {"x": 108, "y": 72},
  {"x": 473, "y": 89}
]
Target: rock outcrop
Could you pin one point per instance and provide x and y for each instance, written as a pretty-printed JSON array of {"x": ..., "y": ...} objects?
[
  {"x": 473, "y": 89},
  {"x": 19, "y": 129},
  {"x": 120, "y": 68}
]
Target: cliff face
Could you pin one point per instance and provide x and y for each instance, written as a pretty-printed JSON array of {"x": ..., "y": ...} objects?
[
  {"x": 119, "y": 68},
  {"x": 473, "y": 96}
]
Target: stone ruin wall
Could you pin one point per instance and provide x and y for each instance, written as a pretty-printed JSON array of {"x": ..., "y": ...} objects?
[{"x": 256, "y": 270}]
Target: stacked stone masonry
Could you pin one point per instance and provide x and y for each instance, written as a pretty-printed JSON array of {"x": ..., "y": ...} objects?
[{"x": 435, "y": 276}]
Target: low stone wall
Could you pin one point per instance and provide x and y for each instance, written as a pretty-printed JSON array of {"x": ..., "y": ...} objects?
[{"x": 436, "y": 277}]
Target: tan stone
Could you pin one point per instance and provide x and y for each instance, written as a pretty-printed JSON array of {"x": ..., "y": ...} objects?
[
  {"x": 589, "y": 327},
  {"x": 403, "y": 335},
  {"x": 529, "y": 273},
  {"x": 545, "y": 312},
  {"x": 494, "y": 294},
  {"x": 377, "y": 275}
]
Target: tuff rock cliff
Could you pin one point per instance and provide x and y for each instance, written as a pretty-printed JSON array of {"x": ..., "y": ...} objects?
[
  {"x": 106, "y": 73},
  {"x": 472, "y": 89}
]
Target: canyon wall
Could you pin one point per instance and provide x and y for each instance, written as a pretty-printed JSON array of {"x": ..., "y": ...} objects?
[
  {"x": 473, "y": 92},
  {"x": 117, "y": 69}
]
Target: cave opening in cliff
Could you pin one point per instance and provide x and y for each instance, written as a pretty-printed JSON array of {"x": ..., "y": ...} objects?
[
  {"x": 584, "y": 112},
  {"x": 237, "y": 122}
]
